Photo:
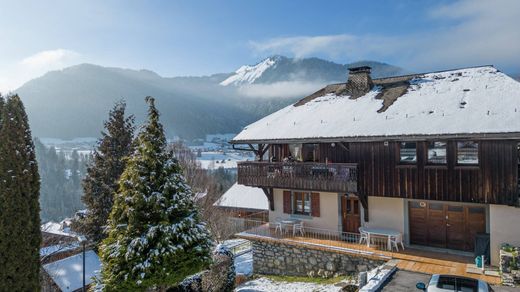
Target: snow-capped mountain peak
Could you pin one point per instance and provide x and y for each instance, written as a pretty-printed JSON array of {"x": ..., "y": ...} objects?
[{"x": 248, "y": 74}]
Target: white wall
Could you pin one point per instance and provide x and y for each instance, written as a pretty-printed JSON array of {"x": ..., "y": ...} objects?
[
  {"x": 386, "y": 213},
  {"x": 504, "y": 225},
  {"x": 329, "y": 211}
]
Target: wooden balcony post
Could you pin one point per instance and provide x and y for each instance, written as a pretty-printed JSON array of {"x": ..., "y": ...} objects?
[{"x": 270, "y": 197}]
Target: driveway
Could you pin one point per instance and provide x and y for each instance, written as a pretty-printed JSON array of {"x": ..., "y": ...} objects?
[{"x": 405, "y": 281}]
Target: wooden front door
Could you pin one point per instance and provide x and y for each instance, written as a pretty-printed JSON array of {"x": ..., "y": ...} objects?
[
  {"x": 445, "y": 225},
  {"x": 351, "y": 219}
]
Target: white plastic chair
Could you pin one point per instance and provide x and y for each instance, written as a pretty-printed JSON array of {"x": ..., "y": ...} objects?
[
  {"x": 298, "y": 228},
  {"x": 278, "y": 224},
  {"x": 395, "y": 240},
  {"x": 363, "y": 237}
]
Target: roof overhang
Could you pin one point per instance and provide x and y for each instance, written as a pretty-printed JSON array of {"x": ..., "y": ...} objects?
[{"x": 418, "y": 137}]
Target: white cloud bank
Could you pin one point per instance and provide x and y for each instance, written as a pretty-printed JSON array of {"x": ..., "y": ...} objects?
[
  {"x": 481, "y": 32},
  {"x": 283, "y": 89},
  {"x": 14, "y": 75}
]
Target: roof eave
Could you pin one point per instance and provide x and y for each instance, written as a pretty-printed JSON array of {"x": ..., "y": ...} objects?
[{"x": 413, "y": 137}]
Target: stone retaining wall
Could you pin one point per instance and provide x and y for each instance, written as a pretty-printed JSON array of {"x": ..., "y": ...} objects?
[{"x": 277, "y": 258}]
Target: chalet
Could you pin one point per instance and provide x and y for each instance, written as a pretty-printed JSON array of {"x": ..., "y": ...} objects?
[{"x": 432, "y": 156}]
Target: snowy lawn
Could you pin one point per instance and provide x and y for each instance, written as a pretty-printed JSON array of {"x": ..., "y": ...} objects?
[{"x": 290, "y": 284}]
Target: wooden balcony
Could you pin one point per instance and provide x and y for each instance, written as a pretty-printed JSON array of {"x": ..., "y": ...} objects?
[{"x": 330, "y": 177}]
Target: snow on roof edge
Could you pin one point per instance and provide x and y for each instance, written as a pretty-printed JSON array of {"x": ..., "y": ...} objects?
[{"x": 502, "y": 96}]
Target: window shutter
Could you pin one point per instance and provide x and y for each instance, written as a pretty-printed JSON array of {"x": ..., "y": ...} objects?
[
  {"x": 287, "y": 202},
  {"x": 315, "y": 204}
]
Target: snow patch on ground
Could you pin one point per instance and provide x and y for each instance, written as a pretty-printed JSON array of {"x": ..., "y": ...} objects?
[
  {"x": 244, "y": 264},
  {"x": 376, "y": 278},
  {"x": 265, "y": 284}
]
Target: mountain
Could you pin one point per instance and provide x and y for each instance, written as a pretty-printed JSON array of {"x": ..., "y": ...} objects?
[
  {"x": 73, "y": 102},
  {"x": 279, "y": 69}
]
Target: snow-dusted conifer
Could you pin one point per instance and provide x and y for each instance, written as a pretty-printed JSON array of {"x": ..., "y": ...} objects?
[
  {"x": 156, "y": 237},
  {"x": 101, "y": 182},
  {"x": 20, "y": 235}
]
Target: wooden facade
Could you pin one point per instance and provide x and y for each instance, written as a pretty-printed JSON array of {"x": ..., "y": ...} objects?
[{"x": 494, "y": 180}]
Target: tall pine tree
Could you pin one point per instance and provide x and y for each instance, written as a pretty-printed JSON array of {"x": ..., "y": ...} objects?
[
  {"x": 100, "y": 183},
  {"x": 156, "y": 237},
  {"x": 20, "y": 235}
]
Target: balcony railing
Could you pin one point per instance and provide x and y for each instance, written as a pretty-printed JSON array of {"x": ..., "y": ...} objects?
[
  {"x": 333, "y": 239},
  {"x": 333, "y": 177}
]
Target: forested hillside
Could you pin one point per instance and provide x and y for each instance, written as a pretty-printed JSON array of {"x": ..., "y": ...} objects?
[{"x": 61, "y": 175}]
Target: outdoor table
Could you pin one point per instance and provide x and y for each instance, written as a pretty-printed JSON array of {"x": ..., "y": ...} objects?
[
  {"x": 381, "y": 232},
  {"x": 289, "y": 222}
]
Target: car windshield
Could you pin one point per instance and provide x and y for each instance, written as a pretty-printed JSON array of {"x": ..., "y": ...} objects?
[{"x": 448, "y": 283}]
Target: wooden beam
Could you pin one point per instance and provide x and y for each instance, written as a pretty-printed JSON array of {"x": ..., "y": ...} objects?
[
  {"x": 269, "y": 194},
  {"x": 264, "y": 149},
  {"x": 342, "y": 144},
  {"x": 364, "y": 202}
]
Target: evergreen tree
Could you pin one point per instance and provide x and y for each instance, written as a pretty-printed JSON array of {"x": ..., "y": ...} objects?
[
  {"x": 100, "y": 183},
  {"x": 20, "y": 235},
  {"x": 156, "y": 237}
]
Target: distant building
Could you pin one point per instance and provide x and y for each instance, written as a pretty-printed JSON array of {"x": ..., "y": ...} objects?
[
  {"x": 244, "y": 202},
  {"x": 62, "y": 259},
  {"x": 66, "y": 274}
]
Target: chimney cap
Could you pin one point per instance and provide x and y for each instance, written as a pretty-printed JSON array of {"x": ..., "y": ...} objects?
[{"x": 360, "y": 69}]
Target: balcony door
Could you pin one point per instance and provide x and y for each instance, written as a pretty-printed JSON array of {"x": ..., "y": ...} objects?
[{"x": 351, "y": 219}]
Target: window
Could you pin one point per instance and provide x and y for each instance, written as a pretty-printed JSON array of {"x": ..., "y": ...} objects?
[
  {"x": 408, "y": 152},
  {"x": 437, "y": 152},
  {"x": 302, "y": 203},
  {"x": 295, "y": 152},
  {"x": 310, "y": 152},
  {"x": 469, "y": 285},
  {"x": 446, "y": 282},
  {"x": 467, "y": 153}
]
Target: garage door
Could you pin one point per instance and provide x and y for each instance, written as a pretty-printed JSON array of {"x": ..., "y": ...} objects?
[{"x": 445, "y": 225}]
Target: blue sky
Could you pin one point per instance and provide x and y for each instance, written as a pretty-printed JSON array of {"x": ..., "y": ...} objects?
[{"x": 204, "y": 37}]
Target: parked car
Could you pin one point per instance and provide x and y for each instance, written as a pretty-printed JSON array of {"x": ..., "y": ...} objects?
[{"x": 443, "y": 283}]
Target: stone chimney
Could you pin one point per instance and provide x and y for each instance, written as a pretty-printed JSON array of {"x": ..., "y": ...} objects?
[{"x": 359, "y": 81}]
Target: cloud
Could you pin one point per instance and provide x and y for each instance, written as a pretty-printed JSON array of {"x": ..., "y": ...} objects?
[
  {"x": 17, "y": 73},
  {"x": 51, "y": 58},
  {"x": 473, "y": 32},
  {"x": 283, "y": 89},
  {"x": 302, "y": 46}
]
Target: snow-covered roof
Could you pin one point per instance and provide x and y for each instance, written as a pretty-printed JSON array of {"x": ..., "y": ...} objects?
[
  {"x": 52, "y": 249},
  {"x": 67, "y": 273},
  {"x": 57, "y": 228},
  {"x": 245, "y": 197},
  {"x": 477, "y": 100}
]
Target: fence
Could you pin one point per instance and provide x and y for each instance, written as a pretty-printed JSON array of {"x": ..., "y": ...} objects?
[{"x": 315, "y": 236}]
